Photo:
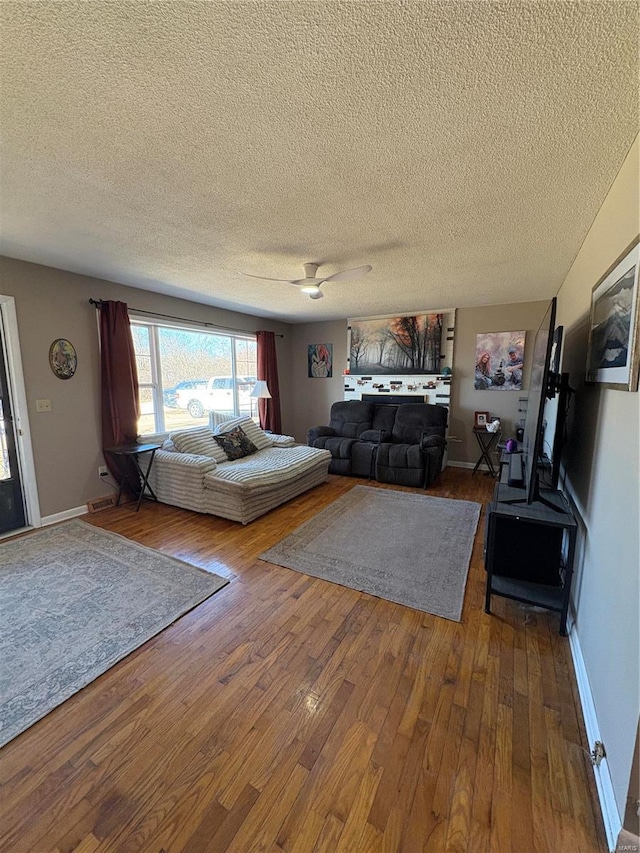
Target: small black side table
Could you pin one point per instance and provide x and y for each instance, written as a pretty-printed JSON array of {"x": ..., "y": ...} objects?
[
  {"x": 487, "y": 440},
  {"x": 133, "y": 452}
]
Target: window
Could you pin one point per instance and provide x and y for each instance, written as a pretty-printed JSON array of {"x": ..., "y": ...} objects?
[{"x": 184, "y": 374}]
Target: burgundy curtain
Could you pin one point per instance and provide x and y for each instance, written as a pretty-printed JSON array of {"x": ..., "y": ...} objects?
[
  {"x": 269, "y": 409},
  {"x": 119, "y": 375}
]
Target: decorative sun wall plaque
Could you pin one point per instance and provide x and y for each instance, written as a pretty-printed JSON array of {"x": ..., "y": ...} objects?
[{"x": 63, "y": 358}]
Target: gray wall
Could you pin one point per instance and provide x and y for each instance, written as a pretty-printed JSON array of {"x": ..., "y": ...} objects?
[
  {"x": 603, "y": 476},
  {"x": 313, "y": 397},
  {"x": 465, "y": 400},
  {"x": 53, "y": 304}
]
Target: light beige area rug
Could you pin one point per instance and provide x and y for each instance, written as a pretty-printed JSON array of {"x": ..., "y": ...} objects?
[
  {"x": 74, "y": 600},
  {"x": 409, "y": 548}
]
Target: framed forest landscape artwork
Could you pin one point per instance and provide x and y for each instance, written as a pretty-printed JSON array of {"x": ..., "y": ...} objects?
[
  {"x": 398, "y": 345},
  {"x": 613, "y": 354}
]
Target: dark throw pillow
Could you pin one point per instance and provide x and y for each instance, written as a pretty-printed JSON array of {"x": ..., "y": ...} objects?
[{"x": 235, "y": 443}]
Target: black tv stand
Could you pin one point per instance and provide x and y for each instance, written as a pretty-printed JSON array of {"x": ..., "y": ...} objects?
[
  {"x": 529, "y": 549},
  {"x": 510, "y": 468},
  {"x": 515, "y": 469}
]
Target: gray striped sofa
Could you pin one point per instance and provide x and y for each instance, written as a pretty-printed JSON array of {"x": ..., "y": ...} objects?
[{"x": 240, "y": 490}]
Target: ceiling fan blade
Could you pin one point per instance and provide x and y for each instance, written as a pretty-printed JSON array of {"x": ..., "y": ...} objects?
[
  {"x": 350, "y": 275},
  {"x": 264, "y": 278},
  {"x": 308, "y": 281},
  {"x": 296, "y": 281}
]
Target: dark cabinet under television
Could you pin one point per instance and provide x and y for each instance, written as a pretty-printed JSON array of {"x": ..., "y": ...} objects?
[{"x": 529, "y": 550}]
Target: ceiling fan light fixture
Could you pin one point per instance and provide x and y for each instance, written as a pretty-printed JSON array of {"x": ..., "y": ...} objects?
[{"x": 310, "y": 284}]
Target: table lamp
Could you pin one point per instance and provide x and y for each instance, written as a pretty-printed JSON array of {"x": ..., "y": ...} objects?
[{"x": 260, "y": 390}]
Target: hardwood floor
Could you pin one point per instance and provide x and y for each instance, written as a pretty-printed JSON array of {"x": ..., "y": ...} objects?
[{"x": 289, "y": 714}]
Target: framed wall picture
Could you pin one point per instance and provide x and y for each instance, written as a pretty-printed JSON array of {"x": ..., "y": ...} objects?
[
  {"x": 63, "y": 358},
  {"x": 396, "y": 345},
  {"x": 481, "y": 419},
  {"x": 320, "y": 361},
  {"x": 613, "y": 354},
  {"x": 499, "y": 361}
]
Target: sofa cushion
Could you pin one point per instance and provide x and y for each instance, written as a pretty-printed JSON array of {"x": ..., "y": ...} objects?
[
  {"x": 384, "y": 416},
  {"x": 277, "y": 440},
  {"x": 413, "y": 420},
  {"x": 200, "y": 442},
  {"x": 250, "y": 429},
  {"x": 235, "y": 443},
  {"x": 267, "y": 470},
  {"x": 350, "y": 417}
]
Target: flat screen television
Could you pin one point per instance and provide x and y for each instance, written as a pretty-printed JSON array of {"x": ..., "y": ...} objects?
[
  {"x": 532, "y": 442},
  {"x": 544, "y": 381}
]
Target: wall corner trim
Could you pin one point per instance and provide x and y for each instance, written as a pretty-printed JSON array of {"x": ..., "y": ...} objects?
[{"x": 606, "y": 796}]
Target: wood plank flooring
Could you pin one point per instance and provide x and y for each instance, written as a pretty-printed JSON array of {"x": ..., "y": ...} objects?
[{"x": 289, "y": 714}]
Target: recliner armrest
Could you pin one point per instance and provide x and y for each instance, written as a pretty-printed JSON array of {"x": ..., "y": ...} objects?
[
  {"x": 432, "y": 441},
  {"x": 317, "y": 432}
]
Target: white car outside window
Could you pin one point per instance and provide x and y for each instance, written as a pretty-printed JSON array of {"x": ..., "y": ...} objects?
[{"x": 216, "y": 396}]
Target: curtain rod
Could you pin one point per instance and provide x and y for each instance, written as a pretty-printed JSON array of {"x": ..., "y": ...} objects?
[{"x": 99, "y": 302}]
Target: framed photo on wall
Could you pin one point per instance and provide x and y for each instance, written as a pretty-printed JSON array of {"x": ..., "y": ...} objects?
[
  {"x": 613, "y": 354},
  {"x": 499, "y": 361},
  {"x": 481, "y": 419}
]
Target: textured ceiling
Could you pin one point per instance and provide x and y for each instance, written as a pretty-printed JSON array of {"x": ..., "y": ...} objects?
[{"x": 461, "y": 148}]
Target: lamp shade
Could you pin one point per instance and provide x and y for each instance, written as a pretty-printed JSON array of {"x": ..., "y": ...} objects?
[{"x": 260, "y": 389}]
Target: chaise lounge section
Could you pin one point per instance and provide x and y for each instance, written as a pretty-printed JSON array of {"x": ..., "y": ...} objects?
[{"x": 240, "y": 489}]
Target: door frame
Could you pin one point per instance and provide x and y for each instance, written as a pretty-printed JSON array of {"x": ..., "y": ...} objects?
[{"x": 19, "y": 407}]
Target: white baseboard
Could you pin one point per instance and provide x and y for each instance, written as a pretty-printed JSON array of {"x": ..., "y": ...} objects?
[
  {"x": 610, "y": 814},
  {"x": 470, "y": 465},
  {"x": 64, "y": 516}
]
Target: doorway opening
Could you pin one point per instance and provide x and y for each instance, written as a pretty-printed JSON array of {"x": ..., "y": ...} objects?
[{"x": 18, "y": 496}]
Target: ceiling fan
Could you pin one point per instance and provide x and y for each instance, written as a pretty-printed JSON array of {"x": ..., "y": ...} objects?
[{"x": 310, "y": 284}]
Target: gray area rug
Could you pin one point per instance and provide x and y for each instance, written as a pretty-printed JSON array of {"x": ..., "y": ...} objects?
[
  {"x": 409, "y": 548},
  {"x": 74, "y": 600}
]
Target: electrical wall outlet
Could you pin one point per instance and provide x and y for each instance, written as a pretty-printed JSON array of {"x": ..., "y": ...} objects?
[
  {"x": 103, "y": 471},
  {"x": 43, "y": 405},
  {"x": 598, "y": 753}
]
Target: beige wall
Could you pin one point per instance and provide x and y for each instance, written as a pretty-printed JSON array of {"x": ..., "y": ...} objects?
[
  {"x": 603, "y": 476},
  {"x": 53, "y": 304},
  {"x": 465, "y": 400},
  {"x": 313, "y": 397}
]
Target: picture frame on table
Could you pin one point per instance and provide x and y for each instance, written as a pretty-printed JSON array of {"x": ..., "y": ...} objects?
[
  {"x": 481, "y": 419},
  {"x": 613, "y": 351}
]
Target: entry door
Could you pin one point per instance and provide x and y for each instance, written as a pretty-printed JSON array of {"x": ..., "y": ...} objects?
[{"x": 12, "y": 515}]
